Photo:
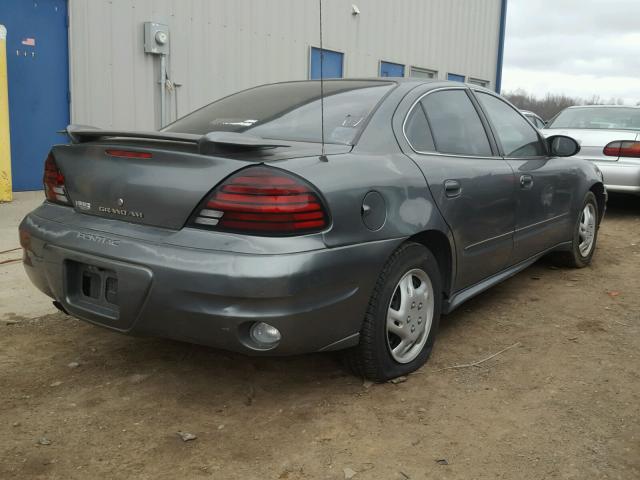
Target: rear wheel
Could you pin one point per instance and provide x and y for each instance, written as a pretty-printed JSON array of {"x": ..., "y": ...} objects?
[
  {"x": 585, "y": 235},
  {"x": 400, "y": 326}
]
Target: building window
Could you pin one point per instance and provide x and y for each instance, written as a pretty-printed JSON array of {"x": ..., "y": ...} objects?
[
  {"x": 389, "y": 69},
  {"x": 477, "y": 81},
  {"x": 332, "y": 63},
  {"x": 454, "y": 77},
  {"x": 423, "y": 73}
]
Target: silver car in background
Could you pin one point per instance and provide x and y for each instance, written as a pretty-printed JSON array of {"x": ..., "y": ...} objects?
[
  {"x": 534, "y": 118},
  {"x": 609, "y": 136}
]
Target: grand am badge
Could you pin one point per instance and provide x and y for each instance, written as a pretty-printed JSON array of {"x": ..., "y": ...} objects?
[{"x": 121, "y": 211}]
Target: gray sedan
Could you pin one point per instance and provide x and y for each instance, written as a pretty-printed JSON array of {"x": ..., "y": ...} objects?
[
  {"x": 245, "y": 226},
  {"x": 609, "y": 136}
]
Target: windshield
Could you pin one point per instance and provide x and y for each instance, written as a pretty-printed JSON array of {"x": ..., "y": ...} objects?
[
  {"x": 290, "y": 111},
  {"x": 598, "y": 118}
]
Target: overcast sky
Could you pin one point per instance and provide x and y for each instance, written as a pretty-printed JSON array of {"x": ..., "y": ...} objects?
[{"x": 576, "y": 47}]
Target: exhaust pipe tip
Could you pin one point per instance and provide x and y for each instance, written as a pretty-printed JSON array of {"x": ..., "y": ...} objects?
[{"x": 59, "y": 306}]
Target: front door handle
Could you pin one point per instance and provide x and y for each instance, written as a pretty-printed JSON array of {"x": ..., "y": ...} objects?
[
  {"x": 526, "y": 181},
  {"x": 452, "y": 188}
]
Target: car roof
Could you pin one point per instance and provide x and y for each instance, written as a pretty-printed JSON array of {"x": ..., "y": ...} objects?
[{"x": 436, "y": 83}]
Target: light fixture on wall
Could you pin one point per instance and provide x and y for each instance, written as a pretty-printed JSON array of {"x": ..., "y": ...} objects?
[{"x": 355, "y": 10}]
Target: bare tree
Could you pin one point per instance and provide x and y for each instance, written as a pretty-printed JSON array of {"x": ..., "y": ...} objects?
[{"x": 551, "y": 104}]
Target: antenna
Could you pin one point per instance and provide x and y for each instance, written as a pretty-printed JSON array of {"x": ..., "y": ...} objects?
[{"x": 323, "y": 157}]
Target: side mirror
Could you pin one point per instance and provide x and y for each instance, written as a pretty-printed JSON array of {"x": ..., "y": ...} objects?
[{"x": 562, "y": 146}]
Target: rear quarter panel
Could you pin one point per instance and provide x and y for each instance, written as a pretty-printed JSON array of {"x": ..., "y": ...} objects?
[{"x": 377, "y": 164}]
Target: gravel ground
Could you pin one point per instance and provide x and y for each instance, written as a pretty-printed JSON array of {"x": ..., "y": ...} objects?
[{"x": 82, "y": 402}]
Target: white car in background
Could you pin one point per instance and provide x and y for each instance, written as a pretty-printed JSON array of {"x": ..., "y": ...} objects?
[
  {"x": 534, "y": 118},
  {"x": 609, "y": 136}
]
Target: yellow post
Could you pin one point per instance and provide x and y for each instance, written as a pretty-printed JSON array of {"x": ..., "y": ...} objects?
[{"x": 5, "y": 145}]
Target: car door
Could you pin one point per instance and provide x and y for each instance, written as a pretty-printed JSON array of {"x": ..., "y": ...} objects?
[
  {"x": 544, "y": 185},
  {"x": 470, "y": 183}
]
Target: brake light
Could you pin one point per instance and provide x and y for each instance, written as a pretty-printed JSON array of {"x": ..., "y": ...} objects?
[
  {"x": 53, "y": 181},
  {"x": 622, "y": 148},
  {"x": 127, "y": 154},
  {"x": 263, "y": 201}
]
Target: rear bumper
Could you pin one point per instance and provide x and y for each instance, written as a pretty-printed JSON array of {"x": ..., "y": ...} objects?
[
  {"x": 317, "y": 299},
  {"x": 620, "y": 176}
]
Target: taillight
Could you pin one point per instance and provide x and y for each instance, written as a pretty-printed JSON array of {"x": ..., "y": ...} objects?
[
  {"x": 263, "y": 201},
  {"x": 127, "y": 154},
  {"x": 54, "y": 182},
  {"x": 622, "y": 148}
]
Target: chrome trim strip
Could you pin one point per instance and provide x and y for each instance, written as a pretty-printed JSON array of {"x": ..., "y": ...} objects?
[
  {"x": 413, "y": 105},
  {"x": 515, "y": 231},
  {"x": 487, "y": 240},
  {"x": 541, "y": 222}
]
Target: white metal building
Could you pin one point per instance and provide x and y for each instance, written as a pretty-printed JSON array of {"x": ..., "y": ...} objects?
[
  {"x": 86, "y": 61},
  {"x": 217, "y": 47}
]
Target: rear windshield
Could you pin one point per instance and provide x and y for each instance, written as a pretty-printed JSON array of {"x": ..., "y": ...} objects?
[
  {"x": 598, "y": 118},
  {"x": 290, "y": 111}
]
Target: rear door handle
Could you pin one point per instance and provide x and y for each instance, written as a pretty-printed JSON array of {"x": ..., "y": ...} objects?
[
  {"x": 452, "y": 188},
  {"x": 526, "y": 181}
]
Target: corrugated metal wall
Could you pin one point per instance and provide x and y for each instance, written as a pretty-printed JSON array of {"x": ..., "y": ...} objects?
[{"x": 221, "y": 46}]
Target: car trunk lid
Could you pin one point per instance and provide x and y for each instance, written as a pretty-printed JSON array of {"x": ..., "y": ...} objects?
[{"x": 162, "y": 187}]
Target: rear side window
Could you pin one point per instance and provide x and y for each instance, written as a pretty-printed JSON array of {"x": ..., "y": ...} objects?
[
  {"x": 455, "y": 124},
  {"x": 517, "y": 136},
  {"x": 417, "y": 131}
]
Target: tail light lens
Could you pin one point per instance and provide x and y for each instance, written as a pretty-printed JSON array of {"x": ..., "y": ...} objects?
[
  {"x": 263, "y": 201},
  {"x": 127, "y": 154},
  {"x": 54, "y": 182},
  {"x": 622, "y": 148}
]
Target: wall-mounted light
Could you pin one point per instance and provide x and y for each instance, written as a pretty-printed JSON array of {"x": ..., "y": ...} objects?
[{"x": 355, "y": 10}]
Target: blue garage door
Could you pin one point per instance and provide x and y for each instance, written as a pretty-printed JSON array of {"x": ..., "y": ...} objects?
[
  {"x": 455, "y": 77},
  {"x": 331, "y": 66},
  {"x": 37, "y": 63},
  {"x": 388, "y": 69}
]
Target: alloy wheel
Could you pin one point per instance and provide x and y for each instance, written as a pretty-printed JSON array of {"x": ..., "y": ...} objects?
[
  {"x": 410, "y": 315},
  {"x": 587, "y": 229}
]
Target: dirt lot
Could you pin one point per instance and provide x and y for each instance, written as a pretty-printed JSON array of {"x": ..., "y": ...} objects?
[{"x": 564, "y": 403}]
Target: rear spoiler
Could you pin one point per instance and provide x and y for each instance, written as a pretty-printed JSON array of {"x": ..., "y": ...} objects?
[{"x": 208, "y": 144}]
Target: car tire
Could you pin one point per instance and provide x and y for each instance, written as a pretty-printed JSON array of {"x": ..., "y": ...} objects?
[
  {"x": 585, "y": 235},
  {"x": 379, "y": 356}
]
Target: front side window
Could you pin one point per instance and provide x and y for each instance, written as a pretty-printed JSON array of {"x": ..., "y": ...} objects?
[
  {"x": 455, "y": 124},
  {"x": 291, "y": 111},
  {"x": 517, "y": 137}
]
